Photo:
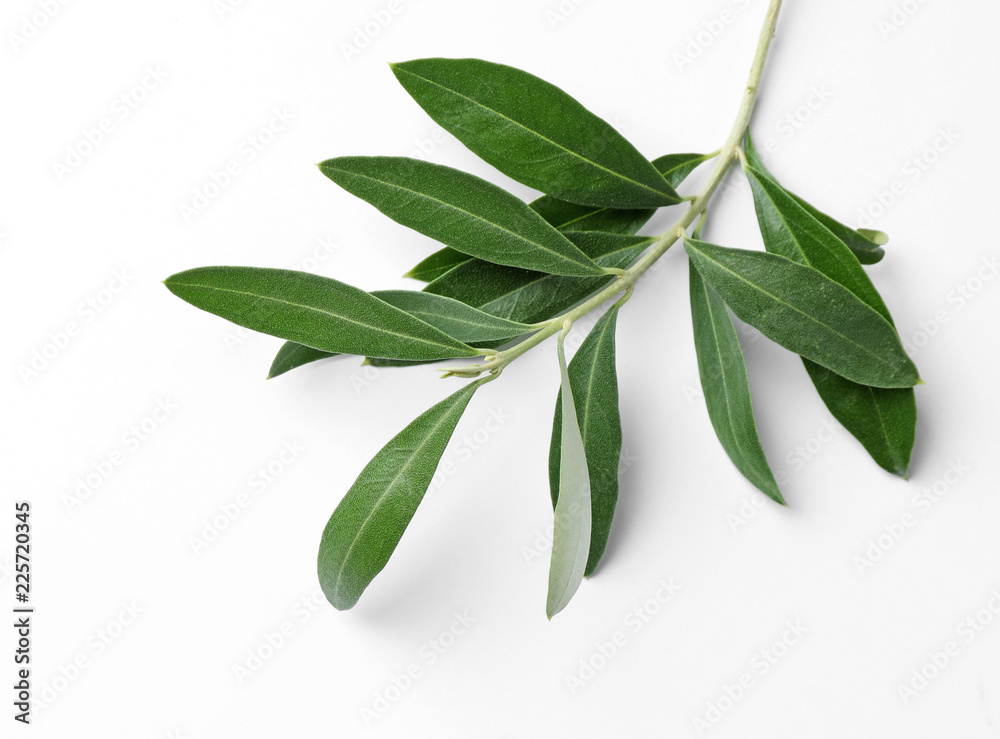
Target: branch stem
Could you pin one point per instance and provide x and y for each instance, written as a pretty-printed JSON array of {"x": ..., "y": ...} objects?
[{"x": 627, "y": 279}]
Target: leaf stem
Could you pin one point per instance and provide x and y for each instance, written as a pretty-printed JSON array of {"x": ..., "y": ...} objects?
[{"x": 698, "y": 203}]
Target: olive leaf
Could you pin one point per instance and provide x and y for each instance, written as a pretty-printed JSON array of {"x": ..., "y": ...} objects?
[
  {"x": 458, "y": 320},
  {"x": 866, "y": 244},
  {"x": 726, "y": 386},
  {"x": 437, "y": 264},
  {"x": 569, "y": 217},
  {"x": 315, "y": 311},
  {"x": 594, "y": 381},
  {"x": 369, "y": 521},
  {"x": 529, "y": 297},
  {"x": 465, "y": 212},
  {"x": 572, "y": 527},
  {"x": 534, "y": 132},
  {"x": 882, "y": 419},
  {"x": 807, "y": 313}
]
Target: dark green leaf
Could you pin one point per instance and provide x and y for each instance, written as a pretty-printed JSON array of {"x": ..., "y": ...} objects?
[
  {"x": 292, "y": 355},
  {"x": 572, "y": 529},
  {"x": 726, "y": 385},
  {"x": 437, "y": 264},
  {"x": 883, "y": 420},
  {"x": 458, "y": 320},
  {"x": 568, "y": 217},
  {"x": 368, "y": 523},
  {"x": 807, "y": 313},
  {"x": 315, "y": 311},
  {"x": 460, "y": 210},
  {"x": 534, "y": 132},
  {"x": 594, "y": 381},
  {"x": 864, "y": 243},
  {"x": 529, "y": 297}
]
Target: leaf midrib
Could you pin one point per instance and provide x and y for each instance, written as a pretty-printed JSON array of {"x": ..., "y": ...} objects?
[
  {"x": 326, "y": 313},
  {"x": 804, "y": 314},
  {"x": 539, "y": 135},
  {"x": 472, "y": 215}
]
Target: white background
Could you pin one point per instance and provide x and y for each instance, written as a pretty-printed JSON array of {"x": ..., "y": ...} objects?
[{"x": 883, "y": 79}]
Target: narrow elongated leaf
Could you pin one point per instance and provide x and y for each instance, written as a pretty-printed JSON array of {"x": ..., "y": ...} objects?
[
  {"x": 292, "y": 355},
  {"x": 458, "y": 320},
  {"x": 571, "y": 534},
  {"x": 437, "y": 264},
  {"x": 460, "y": 210},
  {"x": 883, "y": 420},
  {"x": 534, "y": 132},
  {"x": 569, "y": 217},
  {"x": 454, "y": 317},
  {"x": 807, "y": 313},
  {"x": 368, "y": 523},
  {"x": 529, "y": 297},
  {"x": 866, "y": 244},
  {"x": 594, "y": 381},
  {"x": 791, "y": 231},
  {"x": 316, "y": 311},
  {"x": 726, "y": 386}
]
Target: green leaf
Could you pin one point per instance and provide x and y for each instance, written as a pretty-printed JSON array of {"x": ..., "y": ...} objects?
[
  {"x": 571, "y": 532},
  {"x": 726, "y": 385},
  {"x": 883, "y": 420},
  {"x": 534, "y": 133},
  {"x": 460, "y": 210},
  {"x": 530, "y": 297},
  {"x": 807, "y": 313},
  {"x": 437, "y": 264},
  {"x": 864, "y": 243},
  {"x": 569, "y": 217},
  {"x": 368, "y": 523},
  {"x": 315, "y": 311},
  {"x": 292, "y": 355},
  {"x": 594, "y": 381},
  {"x": 458, "y": 320}
]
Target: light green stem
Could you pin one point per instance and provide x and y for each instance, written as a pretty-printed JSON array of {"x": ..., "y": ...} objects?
[{"x": 627, "y": 279}]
